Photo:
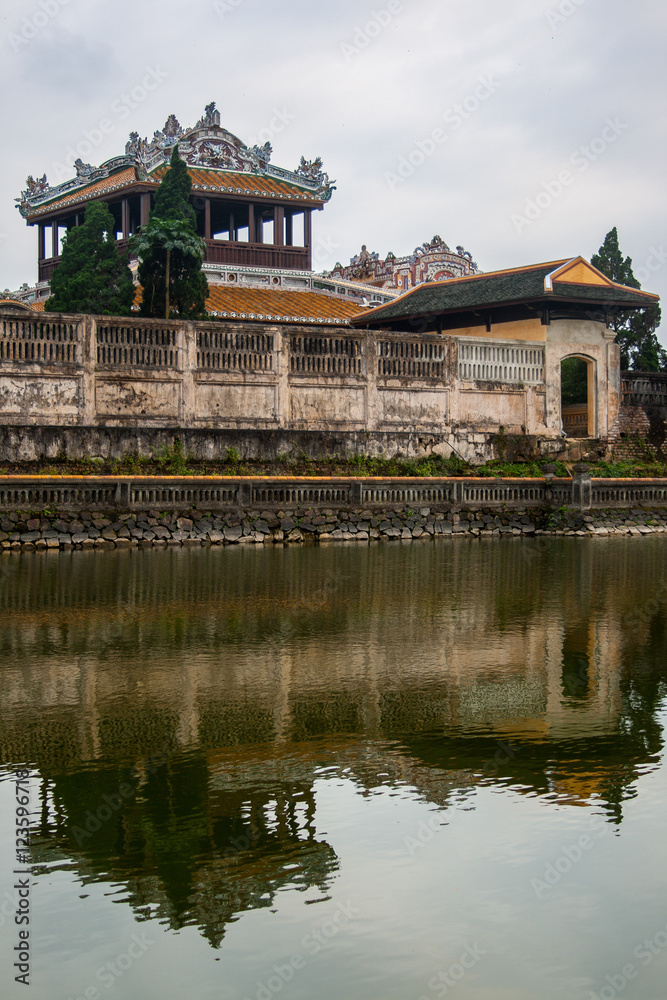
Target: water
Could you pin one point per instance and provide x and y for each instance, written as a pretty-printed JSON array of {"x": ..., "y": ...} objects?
[{"x": 399, "y": 771}]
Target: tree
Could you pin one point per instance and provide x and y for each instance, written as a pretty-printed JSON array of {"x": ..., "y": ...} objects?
[
  {"x": 170, "y": 251},
  {"x": 170, "y": 256},
  {"x": 92, "y": 276},
  {"x": 573, "y": 381},
  {"x": 635, "y": 331}
]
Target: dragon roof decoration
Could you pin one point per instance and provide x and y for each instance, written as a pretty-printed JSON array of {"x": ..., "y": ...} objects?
[{"x": 205, "y": 145}]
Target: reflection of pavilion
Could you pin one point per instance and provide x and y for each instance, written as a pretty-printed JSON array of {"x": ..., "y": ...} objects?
[
  {"x": 419, "y": 675},
  {"x": 185, "y": 851}
]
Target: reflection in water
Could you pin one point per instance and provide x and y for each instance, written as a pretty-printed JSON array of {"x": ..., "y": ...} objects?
[{"x": 180, "y": 707}]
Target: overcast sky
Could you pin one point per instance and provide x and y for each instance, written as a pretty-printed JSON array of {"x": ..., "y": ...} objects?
[{"x": 523, "y": 131}]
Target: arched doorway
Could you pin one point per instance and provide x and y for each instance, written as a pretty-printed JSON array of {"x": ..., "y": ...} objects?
[{"x": 577, "y": 382}]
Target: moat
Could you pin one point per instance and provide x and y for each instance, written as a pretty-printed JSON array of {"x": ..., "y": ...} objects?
[{"x": 400, "y": 771}]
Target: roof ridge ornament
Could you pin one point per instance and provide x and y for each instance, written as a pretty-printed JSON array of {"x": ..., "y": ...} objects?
[{"x": 206, "y": 145}]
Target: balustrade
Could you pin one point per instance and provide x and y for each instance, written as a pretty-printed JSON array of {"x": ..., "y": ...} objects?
[
  {"x": 221, "y": 350},
  {"x": 134, "y": 345},
  {"x": 411, "y": 358},
  {"x": 322, "y": 355},
  {"x": 40, "y": 341}
]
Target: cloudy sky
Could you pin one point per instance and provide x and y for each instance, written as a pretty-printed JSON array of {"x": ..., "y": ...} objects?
[{"x": 524, "y": 131}]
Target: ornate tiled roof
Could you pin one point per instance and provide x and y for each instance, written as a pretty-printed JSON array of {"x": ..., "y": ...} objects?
[
  {"x": 237, "y": 182},
  {"x": 216, "y": 158},
  {"x": 536, "y": 282},
  {"x": 278, "y": 307},
  {"x": 113, "y": 183}
]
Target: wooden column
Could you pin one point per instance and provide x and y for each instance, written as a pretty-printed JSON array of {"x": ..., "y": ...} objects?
[
  {"x": 207, "y": 219},
  {"x": 289, "y": 229},
  {"x": 259, "y": 227},
  {"x": 145, "y": 207},
  {"x": 279, "y": 226},
  {"x": 251, "y": 224},
  {"x": 232, "y": 229},
  {"x": 308, "y": 235},
  {"x": 125, "y": 218},
  {"x": 54, "y": 239},
  {"x": 40, "y": 242}
]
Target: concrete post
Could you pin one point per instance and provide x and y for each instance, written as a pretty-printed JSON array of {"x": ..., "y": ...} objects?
[
  {"x": 582, "y": 492},
  {"x": 88, "y": 333},
  {"x": 281, "y": 365},
  {"x": 188, "y": 411},
  {"x": 372, "y": 401}
]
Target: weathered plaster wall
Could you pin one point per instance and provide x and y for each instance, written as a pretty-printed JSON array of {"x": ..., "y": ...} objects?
[{"x": 375, "y": 392}]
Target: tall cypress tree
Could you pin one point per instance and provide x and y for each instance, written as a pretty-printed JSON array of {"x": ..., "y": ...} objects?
[
  {"x": 170, "y": 252},
  {"x": 635, "y": 331},
  {"x": 92, "y": 276}
]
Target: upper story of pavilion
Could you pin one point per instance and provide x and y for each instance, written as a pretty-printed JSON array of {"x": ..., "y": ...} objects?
[{"x": 250, "y": 212}]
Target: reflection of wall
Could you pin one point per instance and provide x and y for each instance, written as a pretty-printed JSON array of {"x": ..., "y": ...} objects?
[{"x": 289, "y": 645}]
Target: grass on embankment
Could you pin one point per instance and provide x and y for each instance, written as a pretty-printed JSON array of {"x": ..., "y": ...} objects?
[{"x": 172, "y": 461}]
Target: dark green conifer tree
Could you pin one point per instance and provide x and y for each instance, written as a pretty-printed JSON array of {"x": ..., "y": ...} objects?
[
  {"x": 170, "y": 252},
  {"x": 92, "y": 276},
  {"x": 635, "y": 331}
]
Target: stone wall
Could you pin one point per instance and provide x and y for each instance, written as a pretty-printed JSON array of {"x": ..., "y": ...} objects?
[
  {"x": 21, "y": 532},
  {"x": 643, "y": 418},
  {"x": 104, "y": 385}
]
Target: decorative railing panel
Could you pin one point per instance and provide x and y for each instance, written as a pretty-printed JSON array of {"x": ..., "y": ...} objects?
[
  {"x": 322, "y": 355},
  {"x": 521, "y": 492},
  {"x": 561, "y": 493},
  {"x": 495, "y": 363},
  {"x": 299, "y": 493},
  {"x": 80, "y": 496},
  {"x": 644, "y": 389},
  {"x": 402, "y": 493},
  {"x": 183, "y": 495},
  {"x": 219, "y": 350},
  {"x": 137, "y": 346},
  {"x": 411, "y": 358},
  {"x": 40, "y": 341},
  {"x": 575, "y": 420}
]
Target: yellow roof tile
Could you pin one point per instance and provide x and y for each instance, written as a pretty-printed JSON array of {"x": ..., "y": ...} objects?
[
  {"x": 241, "y": 182},
  {"x": 107, "y": 184},
  {"x": 279, "y": 306}
]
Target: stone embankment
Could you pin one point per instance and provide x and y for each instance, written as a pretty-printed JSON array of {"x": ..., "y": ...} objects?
[{"x": 153, "y": 528}]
